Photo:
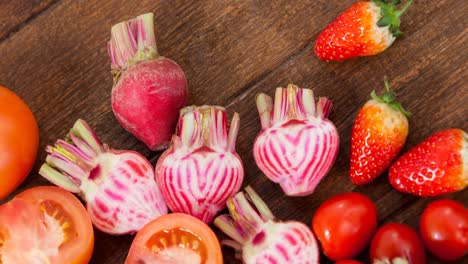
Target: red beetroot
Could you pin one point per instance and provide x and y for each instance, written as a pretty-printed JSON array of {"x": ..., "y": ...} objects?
[
  {"x": 118, "y": 186},
  {"x": 149, "y": 90}
]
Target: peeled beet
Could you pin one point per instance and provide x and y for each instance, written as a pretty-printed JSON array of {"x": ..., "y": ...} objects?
[{"x": 149, "y": 90}]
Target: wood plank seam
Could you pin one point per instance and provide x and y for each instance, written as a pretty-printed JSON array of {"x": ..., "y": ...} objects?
[{"x": 20, "y": 26}]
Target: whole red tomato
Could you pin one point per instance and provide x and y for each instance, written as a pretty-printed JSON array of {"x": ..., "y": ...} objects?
[
  {"x": 397, "y": 241},
  {"x": 344, "y": 225},
  {"x": 18, "y": 141},
  {"x": 444, "y": 229}
]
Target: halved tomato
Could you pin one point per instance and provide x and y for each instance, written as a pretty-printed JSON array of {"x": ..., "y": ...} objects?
[
  {"x": 45, "y": 225},
  {"x": 175, "y": 238}
]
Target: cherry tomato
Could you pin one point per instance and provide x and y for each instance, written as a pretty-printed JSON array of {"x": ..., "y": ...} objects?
[
  {"x": 344, "y": 225},
  {"x": 444, "y": 229},
  {"x": 175, "y": 238},
  {"x": 18, "y": 141},
  {"x": 45, "y": 225},
  {"x": 397, "y": 241},
  {"x": 348, "y": 261}
]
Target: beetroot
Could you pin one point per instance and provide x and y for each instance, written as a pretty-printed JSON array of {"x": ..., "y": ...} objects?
[
  {"x": 298, "y": 144},
  {"x": 149, "y": 90},
  {"x": 201, "y": 169},
  {"x": 118, "y": 186},
  {"x": 259, "y": 238}
]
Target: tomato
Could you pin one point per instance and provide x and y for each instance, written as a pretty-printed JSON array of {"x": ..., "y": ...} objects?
[
  {"x": 444, "y": 229},
  {"x": 348, "y": 261},
  {"x": 45, "y": 225},
  {"x": 19, "y": 139},
  {"x": 344, "y": 225},
  {"x": 397, "y": 241},
  {"x": 175, "y": 238}
]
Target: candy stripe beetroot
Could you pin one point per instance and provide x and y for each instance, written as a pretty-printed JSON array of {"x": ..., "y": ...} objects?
[
  {"x": 201, "y": 169},
  {"x": 118, "y": 186},
  {"x": 258, "y": 238},
  {"x": 298, "y": 144}
]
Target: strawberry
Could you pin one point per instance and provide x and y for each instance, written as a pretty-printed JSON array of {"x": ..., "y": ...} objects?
[
  {"x": 364, "y": 29},
  {"x": 379, "y": 132},
  {"x": 438, "y": 165}
]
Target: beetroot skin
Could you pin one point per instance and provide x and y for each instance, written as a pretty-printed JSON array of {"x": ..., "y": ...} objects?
[
  {"x": 147, "y": 98},
  {"x": 149, "y": 90}
]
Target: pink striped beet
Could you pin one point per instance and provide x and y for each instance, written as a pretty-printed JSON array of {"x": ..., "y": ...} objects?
[
  {"x": 258, "y": 238},
  {"x": 297, "y": 145},
  {"x": 118, "y": 186},
  {"x": 201, "y": 168}
]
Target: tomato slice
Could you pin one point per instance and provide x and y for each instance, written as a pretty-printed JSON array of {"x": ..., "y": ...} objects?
[
  {"x": 45, "y": 225},
  {"x": 175, "y": 238}
]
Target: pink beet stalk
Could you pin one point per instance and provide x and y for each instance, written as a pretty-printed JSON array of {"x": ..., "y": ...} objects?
[
  {"x": 149, "y": 90},
  {"x": 118, "y": 186},
  {"x": 201, "y": 169},
  {"x": 297, "y": 145},
  {"x": 258, "y": 238}
]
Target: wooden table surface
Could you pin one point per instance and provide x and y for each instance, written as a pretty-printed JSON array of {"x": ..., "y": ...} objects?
[{"x": 53, "y": 55}]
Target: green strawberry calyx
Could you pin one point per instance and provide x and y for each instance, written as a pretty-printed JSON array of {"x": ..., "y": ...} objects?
[
  {"x": 391, "y": 15},
  {"x": 389, "y": 98}
]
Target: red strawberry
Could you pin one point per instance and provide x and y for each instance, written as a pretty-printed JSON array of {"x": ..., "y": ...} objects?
[
  {"x": 379, "y": 133},
  {"x": 438, "y": 165},
  {"x": 364, "y": 29}
]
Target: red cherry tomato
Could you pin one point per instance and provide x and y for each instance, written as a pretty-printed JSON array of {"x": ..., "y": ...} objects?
[
  {"x": 348, "y": 261},
  {"x": 444, "y": 229},
  {"x": 344, "y": 225},
  {"x": 397, "y": 241}
]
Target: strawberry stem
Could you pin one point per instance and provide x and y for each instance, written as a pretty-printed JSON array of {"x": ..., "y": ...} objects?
[
  {"x": 389, "y": 98},
  {"x": 403, "y": 9},
  {"x": 390, "y": 15}
]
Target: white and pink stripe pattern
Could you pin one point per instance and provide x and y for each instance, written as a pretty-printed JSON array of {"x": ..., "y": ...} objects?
[
  {"x": 127, "y": 197},
  {"x": 201, "y": 169},
  {"x": 260, "y": 238},
  {"x": 298, "y": 144},
  {"x": 119, "y": 186},
  {"x": 283, "y": 242}
]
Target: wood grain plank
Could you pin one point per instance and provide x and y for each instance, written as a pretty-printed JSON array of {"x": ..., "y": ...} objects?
[
  {"x": 231, "y": 50},
  {"x": 13, "y": 14}
]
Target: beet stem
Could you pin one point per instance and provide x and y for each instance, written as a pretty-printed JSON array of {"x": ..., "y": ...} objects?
[
  {"x": 233, "y": 131},
  {"x": 264, "y": 107},
  {"x": 205, "y": 126},
  {"x": 132, "y": 41}
]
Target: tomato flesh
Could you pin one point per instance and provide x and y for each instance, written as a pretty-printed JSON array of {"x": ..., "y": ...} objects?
[
  {"x": 39, "y": 229},
  {"x": 444, "y": 229},
  {"x": 175, "y": 238},
  {"x": 178, "y": 241}
]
